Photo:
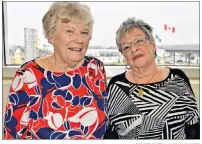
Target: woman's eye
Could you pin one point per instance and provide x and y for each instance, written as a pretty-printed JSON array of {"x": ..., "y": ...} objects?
[
  {"x": 84, "y": 33},
  {"x": 126, "y": 48},
  {"x": 69, "y": 31},
  {"x": 139, "y": 41}
]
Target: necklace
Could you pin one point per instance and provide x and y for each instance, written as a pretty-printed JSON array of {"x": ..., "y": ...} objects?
[{"x": 140, "y": 91}]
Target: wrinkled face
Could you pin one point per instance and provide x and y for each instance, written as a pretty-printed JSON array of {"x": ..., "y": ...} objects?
[
  {"x": 71, "y": 41},
  {"x": 137, "y": 49}
]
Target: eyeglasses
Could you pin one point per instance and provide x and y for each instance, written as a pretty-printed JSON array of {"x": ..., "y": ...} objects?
[{"x": 137, "y": 42}]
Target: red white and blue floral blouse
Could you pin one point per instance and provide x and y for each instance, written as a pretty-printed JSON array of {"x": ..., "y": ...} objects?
[{"x": 53, "y": 105}]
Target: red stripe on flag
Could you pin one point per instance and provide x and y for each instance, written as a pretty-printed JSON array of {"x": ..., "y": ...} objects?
[
  {"x": 173, "y": 29},
  {"x": 165, "y": 27}
]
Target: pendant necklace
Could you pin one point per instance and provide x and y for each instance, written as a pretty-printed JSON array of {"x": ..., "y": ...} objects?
[{"x": 140, "y": 91}]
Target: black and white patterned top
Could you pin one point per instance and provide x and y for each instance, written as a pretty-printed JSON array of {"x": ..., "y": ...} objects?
[{"x": 167, "y": 109}]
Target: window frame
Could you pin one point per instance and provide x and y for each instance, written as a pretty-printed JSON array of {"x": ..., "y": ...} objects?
[{"x": 4, "y": 33}]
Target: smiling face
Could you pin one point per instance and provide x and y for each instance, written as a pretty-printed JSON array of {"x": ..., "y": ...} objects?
[
  {"x": 142, "y": 51},
  {"x": 71, "y": 41}
]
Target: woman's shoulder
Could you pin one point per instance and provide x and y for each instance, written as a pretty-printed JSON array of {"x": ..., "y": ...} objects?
[
  {"x": 27, "y": 66},
  {"x": 116, "y": 78},
  {"x": 178, "y": 72},
  {"x": 92, "y": 62},
  {"x": 93, "y": 59},
  {"x": 24, "y": 74}
]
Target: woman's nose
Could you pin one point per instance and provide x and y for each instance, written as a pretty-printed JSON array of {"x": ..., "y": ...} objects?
[
  {"x": 134, "y": 48},
  {"x": 78, "y": 38}
]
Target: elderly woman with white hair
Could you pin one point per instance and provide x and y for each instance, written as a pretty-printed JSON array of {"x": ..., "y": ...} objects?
[
  {"x": 148, "y": 101},
  {"x": 62, "y": 95}
]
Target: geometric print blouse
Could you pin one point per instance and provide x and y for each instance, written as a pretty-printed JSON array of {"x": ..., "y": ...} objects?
[
  {"x": 167, "y": 109},
  {"x": 55, "y": 105}
]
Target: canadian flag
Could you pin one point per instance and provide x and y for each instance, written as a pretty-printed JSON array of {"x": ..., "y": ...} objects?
[{"x": 167, "y": 28}]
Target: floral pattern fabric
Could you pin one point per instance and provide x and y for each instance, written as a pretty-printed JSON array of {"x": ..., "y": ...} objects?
[{"x": 53, "y": 105}]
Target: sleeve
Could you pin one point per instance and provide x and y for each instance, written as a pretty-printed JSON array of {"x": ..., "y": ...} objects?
[
  {"x": 110, "y": 133},
  {"x": 192, "y": 123},
  {"x": 17, "y": 109},
  {"x": 105, "y": 82},
  {"x": 104, "y": 78},
  {"x": 103, "y": 90}
]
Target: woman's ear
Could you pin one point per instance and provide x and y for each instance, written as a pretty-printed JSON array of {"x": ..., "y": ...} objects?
[
  {"x": 51, "y": 40},
  {"x": 154, "y": 45},
  {"x": 91, "y": 33},
  {"x": 154, "y": 48}
]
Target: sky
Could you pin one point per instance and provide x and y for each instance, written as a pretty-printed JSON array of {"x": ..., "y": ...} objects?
[{"x": 184, "y": 16}]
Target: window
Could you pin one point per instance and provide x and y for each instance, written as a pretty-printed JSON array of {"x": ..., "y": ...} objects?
[{"x": 176, "y": 30}]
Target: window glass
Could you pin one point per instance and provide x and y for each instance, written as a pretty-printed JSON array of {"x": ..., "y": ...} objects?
[{"x": 175, "y": 29}]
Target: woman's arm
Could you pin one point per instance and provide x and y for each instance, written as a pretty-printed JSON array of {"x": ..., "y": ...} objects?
[
  {"x": 192, "y": 123},
  {"x": 17, "y": 109},
  {"x": 110, "y": 133},
  {"x": 192, "y": 131}
]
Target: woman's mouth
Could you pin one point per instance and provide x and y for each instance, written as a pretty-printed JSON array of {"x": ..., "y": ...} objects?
[
  {"x": 138, "y": 56},
  {"x": 75, "y": 49}
]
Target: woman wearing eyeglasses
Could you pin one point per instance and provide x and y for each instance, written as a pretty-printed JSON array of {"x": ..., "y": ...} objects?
[{"x": 148, "y": 101}]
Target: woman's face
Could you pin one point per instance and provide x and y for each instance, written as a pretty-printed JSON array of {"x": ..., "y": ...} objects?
[
  {"x": 71, "y": 41},
  {"x": 137, "y": 49}
]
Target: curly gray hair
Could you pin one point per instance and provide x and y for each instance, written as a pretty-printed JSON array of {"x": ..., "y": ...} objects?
[
  {"x": 130, "y": 23},
  {"x": 66, "y": 12}
]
